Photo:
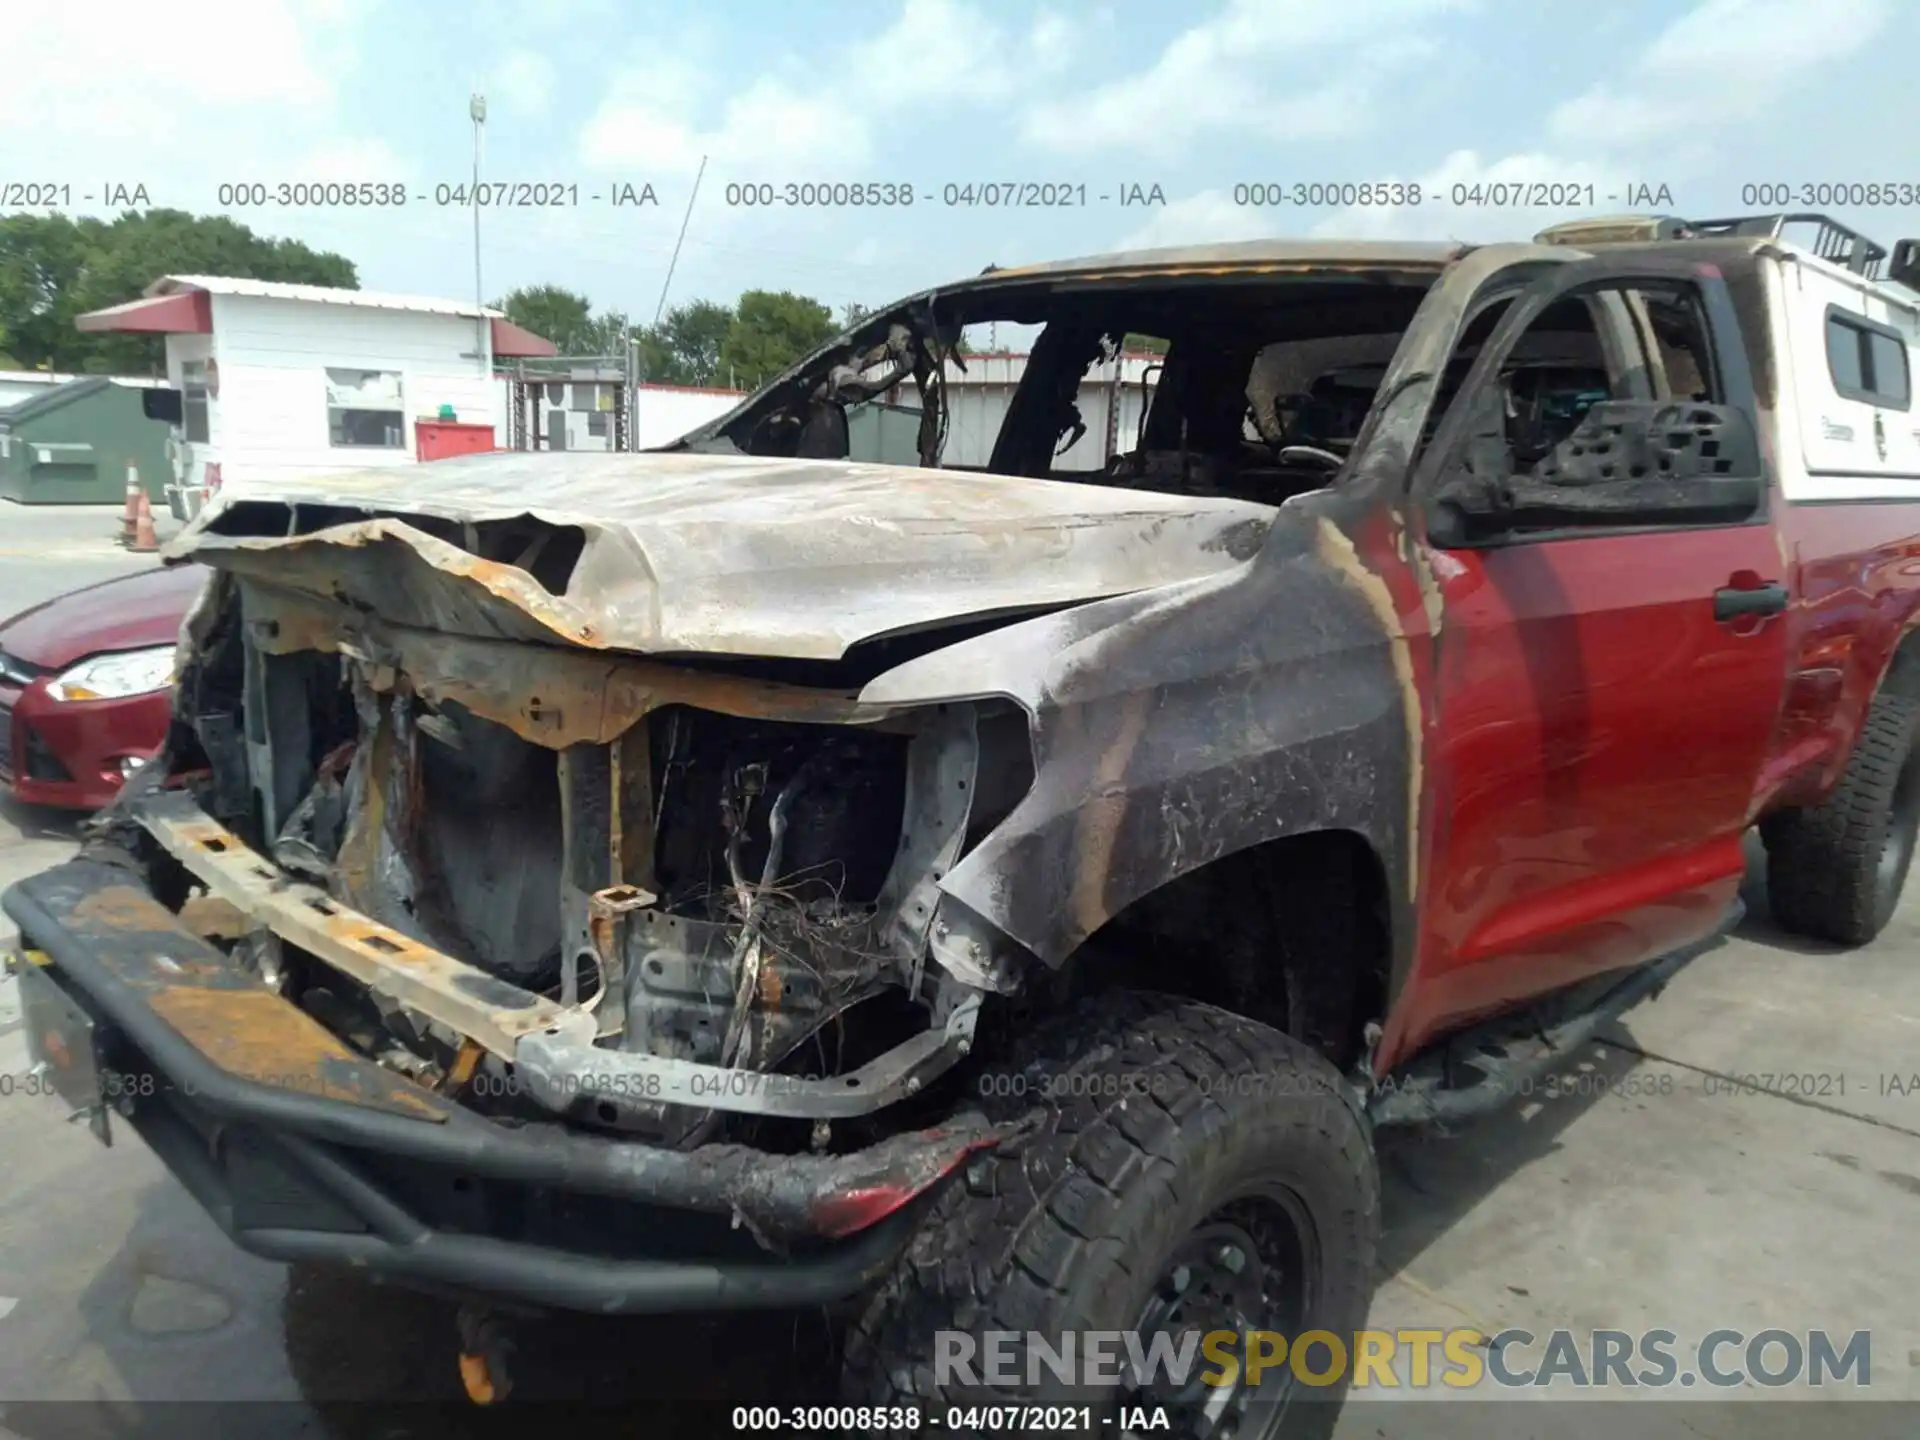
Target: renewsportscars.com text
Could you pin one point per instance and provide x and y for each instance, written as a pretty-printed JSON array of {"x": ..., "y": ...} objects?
[{"x": 1459, "y": 1359}]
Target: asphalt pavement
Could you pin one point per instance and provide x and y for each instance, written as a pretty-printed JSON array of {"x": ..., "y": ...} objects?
[{"x": 1647, "y": 1189}]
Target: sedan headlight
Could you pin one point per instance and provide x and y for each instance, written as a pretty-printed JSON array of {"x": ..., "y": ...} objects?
[{"x": 115, "y": 677}]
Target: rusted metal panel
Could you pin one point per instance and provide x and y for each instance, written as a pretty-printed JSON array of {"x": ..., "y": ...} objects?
[
  {"x": 633, "y": 808},
  {"x": 458, "y": 995},
  {"x": 258, "y": 1036},
  {"x": 720, "y": 554},
  {"x": 225, "y": 1013},
  {"x": 548, "y": 695}
]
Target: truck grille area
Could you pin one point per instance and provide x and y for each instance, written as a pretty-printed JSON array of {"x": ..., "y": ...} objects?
[{"x": 689, "y": 874}]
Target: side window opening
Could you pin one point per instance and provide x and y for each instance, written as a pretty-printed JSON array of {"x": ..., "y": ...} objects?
[
  {"x": 1561, "y": 367},
  {"x": 1557, "y": 371},
  {"x": 1250, "y": 388},
  {"x": 1676, "y": 336},
  {"x": 1867, "y": 361}
]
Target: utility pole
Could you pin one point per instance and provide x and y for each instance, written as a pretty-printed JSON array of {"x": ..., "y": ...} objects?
[{"x": 477, "y": 111}]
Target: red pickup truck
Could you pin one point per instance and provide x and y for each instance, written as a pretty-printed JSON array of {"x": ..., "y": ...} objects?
[{"x": 1004, "y": 892}]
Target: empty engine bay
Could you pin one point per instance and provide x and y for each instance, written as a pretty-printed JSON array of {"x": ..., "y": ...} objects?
[{"x": 740, "y": 894}]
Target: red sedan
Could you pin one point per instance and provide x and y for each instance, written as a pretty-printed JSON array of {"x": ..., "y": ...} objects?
[{"x": 86, "y": 686}]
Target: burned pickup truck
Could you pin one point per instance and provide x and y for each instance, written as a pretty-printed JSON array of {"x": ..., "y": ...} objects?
[{"x": 1002, "y": 891}]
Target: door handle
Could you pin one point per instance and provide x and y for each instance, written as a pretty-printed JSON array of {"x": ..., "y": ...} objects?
[{"x": 1731, "y": 603}]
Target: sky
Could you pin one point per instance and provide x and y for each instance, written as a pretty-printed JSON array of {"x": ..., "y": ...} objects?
[{"x": 1109, "y": 98}]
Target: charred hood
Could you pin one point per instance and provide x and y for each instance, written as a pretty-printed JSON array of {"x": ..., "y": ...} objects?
[{"x": 714, "y": 554}]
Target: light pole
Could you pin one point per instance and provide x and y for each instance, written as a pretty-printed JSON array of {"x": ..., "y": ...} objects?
[
  {"x": 477, "y": 112},
  {"x": 477, "y": 108}
]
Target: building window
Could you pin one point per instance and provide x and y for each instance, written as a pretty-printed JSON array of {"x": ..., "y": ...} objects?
[
  {"x": 592, "y": 395},
  {"x": 193, "y": 402},
  {"x": 364, "y": 411},
  {"x": 597, "y": 423},
  {"x": 1868, "y": 361}
]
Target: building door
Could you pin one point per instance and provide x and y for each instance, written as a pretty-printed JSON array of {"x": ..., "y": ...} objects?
[{"x": 556, "y": 429}]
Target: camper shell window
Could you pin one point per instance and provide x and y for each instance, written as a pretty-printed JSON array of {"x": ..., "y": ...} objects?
[{"x": 1867, "y": 360}]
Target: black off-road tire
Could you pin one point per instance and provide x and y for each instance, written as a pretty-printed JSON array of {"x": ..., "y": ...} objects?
[
  {"x": 1149, "y": 1118},
  {"x": 1835, "y": 870}
]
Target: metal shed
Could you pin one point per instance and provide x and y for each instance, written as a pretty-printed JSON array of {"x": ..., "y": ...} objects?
[{"x": 72, "y": 444}]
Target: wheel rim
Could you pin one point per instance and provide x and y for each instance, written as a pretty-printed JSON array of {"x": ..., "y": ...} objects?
[
  {"x": 1896, "y": 846},
  {"x": 1252, "y": 1264}
]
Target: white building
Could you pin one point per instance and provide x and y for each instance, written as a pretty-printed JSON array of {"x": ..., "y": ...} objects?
[
  {"x": 283, "y": 380},
  {"x": 662, "y": 413},
  {"x": 1112, "y": 401},
  {"x": 576, "y": 409}
]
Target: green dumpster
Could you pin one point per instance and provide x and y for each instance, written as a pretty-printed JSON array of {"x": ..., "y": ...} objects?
[{"x": 72, "y": 444}]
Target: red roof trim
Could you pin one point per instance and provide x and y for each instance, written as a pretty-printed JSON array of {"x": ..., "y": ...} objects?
[
  {"x": 510, "y": 341},
  {"x": 188, "y": 313}
]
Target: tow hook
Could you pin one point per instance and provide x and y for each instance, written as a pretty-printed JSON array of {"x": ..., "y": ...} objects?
[{"x": 485, "y": 1348}]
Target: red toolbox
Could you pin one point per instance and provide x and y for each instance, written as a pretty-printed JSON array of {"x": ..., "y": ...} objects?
[{"x": 437, "y": 439}]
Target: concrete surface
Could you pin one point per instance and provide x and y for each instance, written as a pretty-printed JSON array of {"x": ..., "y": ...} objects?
[{"x": 1649, "y": 1192}]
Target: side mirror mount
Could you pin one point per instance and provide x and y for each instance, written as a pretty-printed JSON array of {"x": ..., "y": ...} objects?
[
  {"x": 159, "y": 403},
  {"x": 1905, "y": 265},
  {"x": 1629, "y": 462}
]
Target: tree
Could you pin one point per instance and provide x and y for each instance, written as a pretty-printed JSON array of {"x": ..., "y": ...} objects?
[
  {"x": 41, "y": 258},
  {"x": 54, "y": 268},
  {"x": 684, "y": 348},
  {"x": 771, "y": 329},
  {"x": 607, "y": 334},
  {"x": 562, "y": 316},
  {"x": 702, "y": 342},
  {"x": 695, "y": 332}
]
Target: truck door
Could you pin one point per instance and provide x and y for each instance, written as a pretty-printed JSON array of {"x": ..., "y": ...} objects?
[{"x": 1606, "y": 690}]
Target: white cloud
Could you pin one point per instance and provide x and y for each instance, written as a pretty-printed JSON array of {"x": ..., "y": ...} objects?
[
  {"x": 354, "y": 160},
  {"x": 1720, "y": 64},
  {"x": 934, "y": 53},
  {"x": 226, "y": 90},
  {"x": 1496, "y": 199},
  {"x": 1242, "y": 69},
  {"x": 1207, "y": 218},
  {"x": 1724, "y": 64},
  {"x": 524, "y": 82},
  {"x": 766, "y": 129},
  {"x": 104, "y": 71},
  {"x": 1052, "y": 42},
  {"x": 934, "y": 50}
]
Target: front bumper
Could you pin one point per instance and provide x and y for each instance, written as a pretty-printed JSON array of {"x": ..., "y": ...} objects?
[
  {"x": 302, "y": 1149},
  {"x": 69, "y": 754}
]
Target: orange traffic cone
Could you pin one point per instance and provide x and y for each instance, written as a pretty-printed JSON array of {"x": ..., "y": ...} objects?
[
  {"x": 130, "y": 514},
  {"x": 144, "y": 540}
]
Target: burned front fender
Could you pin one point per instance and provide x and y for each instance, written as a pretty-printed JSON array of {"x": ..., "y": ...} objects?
[{"x": 1177, "y": 726}]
